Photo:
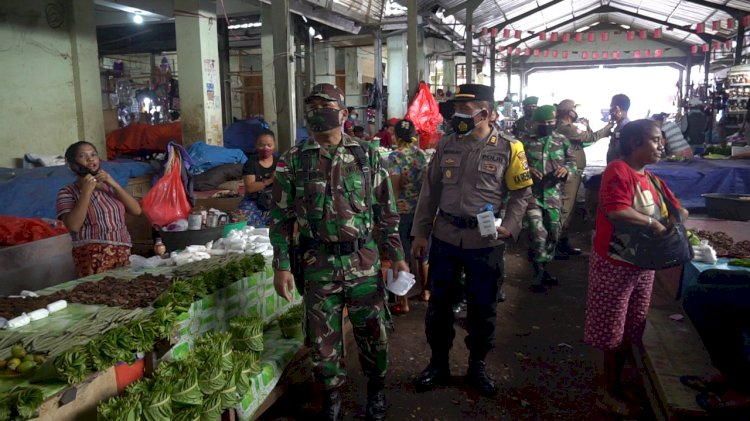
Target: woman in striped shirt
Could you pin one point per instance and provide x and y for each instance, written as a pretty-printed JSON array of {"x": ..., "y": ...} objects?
[{"x": 93, "y": 209}]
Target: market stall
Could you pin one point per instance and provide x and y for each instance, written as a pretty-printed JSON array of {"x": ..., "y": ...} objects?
[{"x": 116, "y": 316}]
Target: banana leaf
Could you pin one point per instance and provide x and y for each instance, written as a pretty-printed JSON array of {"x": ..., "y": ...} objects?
[
  {"x": 216, "y": 343},
  {"x": 211, "y": 377}
]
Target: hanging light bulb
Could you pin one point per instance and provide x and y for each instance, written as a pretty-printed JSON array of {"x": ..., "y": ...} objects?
[{"x": 138, "y": 19}]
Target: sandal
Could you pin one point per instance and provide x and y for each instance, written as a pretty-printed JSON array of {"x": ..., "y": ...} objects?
[
  {"x": 398, "y": 310},
  {"x": 731, "y": 402},
  {"x": 712, "y": 383},
  {"x": 424, "y": 296}
]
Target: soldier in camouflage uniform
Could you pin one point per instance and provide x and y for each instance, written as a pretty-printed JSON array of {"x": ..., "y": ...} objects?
[
  {"x": 525, "y": 126},
  {"x": 579, "y": 139},
  {"x": 340, "y": 204},
  {"x": 551, "y": 159}
]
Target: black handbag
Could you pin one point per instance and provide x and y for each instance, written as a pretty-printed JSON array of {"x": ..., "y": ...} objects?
[{"x": 665, "y": 251}]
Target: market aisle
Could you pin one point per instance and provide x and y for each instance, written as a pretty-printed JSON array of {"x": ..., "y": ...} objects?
[{"x": 543, "y": 369}]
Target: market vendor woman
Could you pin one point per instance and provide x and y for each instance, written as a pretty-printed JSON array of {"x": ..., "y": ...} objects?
[{"x": 93, "y": 209}]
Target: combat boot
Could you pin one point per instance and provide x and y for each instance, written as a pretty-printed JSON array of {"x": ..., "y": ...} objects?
[
  {"x": 437, "y": 372},
  {"x": 375, "y": 410},
  {"x": 477, "y": 377},
  {"x": 537, "y": 279},
  {"x": 331, "y": 405},
  {"x": 565, "y": 249}
]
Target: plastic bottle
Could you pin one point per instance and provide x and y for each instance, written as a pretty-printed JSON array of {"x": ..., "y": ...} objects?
[{"x": 159, "y": 248}]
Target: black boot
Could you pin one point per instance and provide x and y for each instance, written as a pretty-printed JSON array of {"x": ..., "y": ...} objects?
[
  {"x": 436, "y": 373},
  {"x": 375, "y": 410},
  {"x": 537, "y": 278},
  {"x": 548, "y": 279},
  {"x": 565, "y": 248},
  {"x": 477, "y": 377},
  {"x": 331, "y": 405}
]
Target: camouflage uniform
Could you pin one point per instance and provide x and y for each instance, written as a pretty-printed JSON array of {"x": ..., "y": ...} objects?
[
  {"x": 524, "y": 126},
  {"x": 327, "y": 199},
  {"x": 579, "y": 139},
  {"x": 546, "y": 155}
]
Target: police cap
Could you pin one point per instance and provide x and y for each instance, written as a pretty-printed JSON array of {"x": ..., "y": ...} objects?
[{"x": 473, "y": 92}]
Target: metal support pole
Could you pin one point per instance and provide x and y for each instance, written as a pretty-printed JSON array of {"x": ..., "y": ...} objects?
[
  {"x": 226, "y": 86},
  {"x": 493, "y": 56},
  {"x": 740, "y": 42},
  {"x": 469, "y": 65},
  {"x": 509, "y": 74},
  {"x": 378, "y": 87},
  {"x": 310, "y": 62},
  {"x": 413, "y": 48},
  {"x": 706, "y": 65},
  {"x": 283, "y": 72}
]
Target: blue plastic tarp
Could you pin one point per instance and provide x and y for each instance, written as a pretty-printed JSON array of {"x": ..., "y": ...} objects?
[
  {"x": 204, "y": 157},
  {"x": 31, "y": 192},
  {"x": 242, "y": 134},
  {"x": 690, "y": 179}
]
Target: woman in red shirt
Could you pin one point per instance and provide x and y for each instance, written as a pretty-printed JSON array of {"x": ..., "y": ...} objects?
[{"x": 619, "y": 292}]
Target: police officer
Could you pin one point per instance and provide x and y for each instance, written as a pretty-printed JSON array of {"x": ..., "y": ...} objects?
[
  {"x": 335, "y": 189},
  {"x": 579, "y": 139},
  {"x": 524, "y": 125},
  {"x": 550, "y": 160},
  {"x": 472, "y": 171}
]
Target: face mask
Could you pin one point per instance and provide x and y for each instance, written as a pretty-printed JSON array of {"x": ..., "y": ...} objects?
[
  {"x": 323, "y": 119},
  {"x": 463, "y": 124},
  {"x": 574, "y": 115},
  {"x": 80, "y": 170},
  {"x": 544, "y": 131},
  {"x": 265, "y": 153}
]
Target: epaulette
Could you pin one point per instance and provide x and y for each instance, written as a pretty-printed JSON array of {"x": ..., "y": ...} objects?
[{"x": 508, "y": 137}]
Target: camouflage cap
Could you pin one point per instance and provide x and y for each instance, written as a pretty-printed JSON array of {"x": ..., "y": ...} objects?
[
  {"x": 328, "y": 92},
  {"x": 566, "y": 104},
  {"x": 530, "y": 100},
  {"x": 544, "y": 113}
]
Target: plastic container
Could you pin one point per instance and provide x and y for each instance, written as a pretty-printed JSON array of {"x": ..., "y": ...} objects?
[
  {"x": 734, "y": 207},
  {"x": 233, "y": 226},
  {"x": 178, "y": 240}
]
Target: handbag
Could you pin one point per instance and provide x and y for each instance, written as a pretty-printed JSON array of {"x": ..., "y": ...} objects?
[{"x": 665, "y": 251}]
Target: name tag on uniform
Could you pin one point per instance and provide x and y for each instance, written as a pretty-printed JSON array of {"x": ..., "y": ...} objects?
[{"x": 490, "y": 168}]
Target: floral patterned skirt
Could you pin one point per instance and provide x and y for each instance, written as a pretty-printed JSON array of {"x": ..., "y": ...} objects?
[
  {"x": 255, "y": 217},
  {"x": 99, "y": 257}
]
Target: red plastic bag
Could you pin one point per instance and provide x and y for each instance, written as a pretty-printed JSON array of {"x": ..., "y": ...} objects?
[
  {"x": 424, "y": 112},
  {"x": 167, "y": 202}
]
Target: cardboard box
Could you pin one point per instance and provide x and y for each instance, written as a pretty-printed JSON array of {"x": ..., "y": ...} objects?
[{"x": 78, "y": 403}]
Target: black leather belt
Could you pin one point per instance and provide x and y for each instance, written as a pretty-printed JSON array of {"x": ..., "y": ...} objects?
[
  {"x": 336, "y": 248},
  {"x": 461, "y": 221}
]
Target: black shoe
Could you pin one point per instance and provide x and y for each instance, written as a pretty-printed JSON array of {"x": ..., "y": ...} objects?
[
  {"x": 564, "y": 247},
  {"x": 432, "y": 376},
  {"x": 331, "y": 405},
  {"x": 375, "y": 410},
  {"x": 477, "y": 377},
  {"x": 501, "y": 296},
  {"x": 548, "y": 279}
]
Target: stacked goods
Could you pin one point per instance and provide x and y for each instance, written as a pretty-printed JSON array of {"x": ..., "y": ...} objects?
[
  {"x": 290, "y": 322},
  {"x": 200, "y": 387}
]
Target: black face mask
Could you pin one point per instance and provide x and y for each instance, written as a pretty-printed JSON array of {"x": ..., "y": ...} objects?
[
  {"x": 322, "y": 119},
  {"x": 463, "y": 124},
  {"x": 544, "y": 131},
  {"x": 80, "y": 170}
]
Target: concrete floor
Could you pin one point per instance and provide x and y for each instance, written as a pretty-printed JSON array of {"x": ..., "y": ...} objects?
[{"x": 543, "y": 369}]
